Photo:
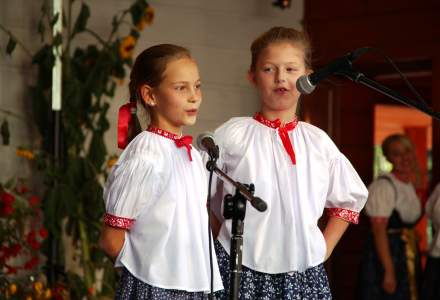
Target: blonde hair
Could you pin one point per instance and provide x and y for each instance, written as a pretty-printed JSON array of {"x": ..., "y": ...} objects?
[{"x": 278, "y": 35}]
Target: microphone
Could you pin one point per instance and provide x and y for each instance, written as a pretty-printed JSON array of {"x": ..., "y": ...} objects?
[
  {"x": 205, "y": 142},
  {"x": 307, "y": 83}
]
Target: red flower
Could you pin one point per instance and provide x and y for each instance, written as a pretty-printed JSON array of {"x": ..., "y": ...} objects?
[
  {"x": 6, "y": 253},
  {"x": 35, "y": 245},
  {"x": 30, "y": 264},
  {"x": 43, "y": 233},
  {"x": 22, "y": 189},
  {"x": 10, "y": 270},
  {"x": 34, "y": 200},
  {"x": 15, "y": 249},
  {"x": 30, "y": 236},
  {"x": 7, "y": 210},
  {"x": 32, "y": 241},
  {"x": 91, "y": 291},
  {"x": 7, "y": 199}
]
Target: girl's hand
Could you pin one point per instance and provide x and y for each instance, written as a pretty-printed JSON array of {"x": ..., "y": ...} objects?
[{"x": 389, "y": 283}]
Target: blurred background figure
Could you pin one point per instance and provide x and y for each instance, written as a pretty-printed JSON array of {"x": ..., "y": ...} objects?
[
  {"x": 431, "y": 282},
  {"x": 391, "y": 262}
]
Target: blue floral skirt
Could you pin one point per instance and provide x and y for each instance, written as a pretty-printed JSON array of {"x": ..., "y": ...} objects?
[
  {"x": 131, "y": 288},
  {"x": 311, "y": 284}
]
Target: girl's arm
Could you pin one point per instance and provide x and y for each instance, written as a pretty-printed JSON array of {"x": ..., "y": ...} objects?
[
  {"x": 111, "y": 240},
  {"x": 333, "y": 232},
  {"x": 381, "y": 244}
]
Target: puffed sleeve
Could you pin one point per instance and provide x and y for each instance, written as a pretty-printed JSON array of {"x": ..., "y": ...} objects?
[
  {"x": 433, "y": 199},
  {"x": 130, "y": 187},
  {"x": 381, "y": 199},
  {"x": 347, "y": 193}
]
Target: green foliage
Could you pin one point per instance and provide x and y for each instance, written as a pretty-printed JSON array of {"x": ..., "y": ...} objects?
[
  {"x": 11, "y": 45},
  {"x": 4, "y": 129},
  {"x": 73, "y": 178}
]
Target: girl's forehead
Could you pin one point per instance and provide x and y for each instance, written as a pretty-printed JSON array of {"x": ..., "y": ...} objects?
[
  {"x": 180, "y": 69},
  {"x": 282, "y": 51}
]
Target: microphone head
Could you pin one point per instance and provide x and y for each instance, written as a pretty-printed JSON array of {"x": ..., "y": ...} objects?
[
  {"x": 304, "y": 86},
  {"x": 203, "y": 136}
]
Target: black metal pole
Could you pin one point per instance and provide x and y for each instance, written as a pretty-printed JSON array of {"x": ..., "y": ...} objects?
[{"x": 358, "y": 77}]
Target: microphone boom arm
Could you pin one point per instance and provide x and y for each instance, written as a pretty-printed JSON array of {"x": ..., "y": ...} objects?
[
  {"x": 359, "y": 77},
  {"x": 256, "y": 202}
]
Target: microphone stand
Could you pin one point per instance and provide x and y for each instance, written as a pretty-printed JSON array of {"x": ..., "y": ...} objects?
[
  {"x": 359, "y": 77},
  {"x": 235, "y": 208}
]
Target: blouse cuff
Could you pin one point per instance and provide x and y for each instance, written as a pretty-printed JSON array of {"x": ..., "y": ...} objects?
[
  {"x": 345, "y": 214},
  {"x": 118, "y": 222}
]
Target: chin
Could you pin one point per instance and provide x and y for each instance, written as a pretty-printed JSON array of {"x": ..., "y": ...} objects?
[{"x": 190, "y": 122}]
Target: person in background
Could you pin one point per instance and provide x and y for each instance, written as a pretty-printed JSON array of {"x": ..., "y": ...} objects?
[{"x": 391, "y": 262}]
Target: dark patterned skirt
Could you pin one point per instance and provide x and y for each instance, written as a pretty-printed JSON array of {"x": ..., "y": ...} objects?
[
  {"x": 309, "y": 285},
  {"x": 131, "y": 288},
  {"x": 371, "y": 274}
]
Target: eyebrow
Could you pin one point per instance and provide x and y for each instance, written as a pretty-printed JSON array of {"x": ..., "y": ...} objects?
[{"x": 182, "y": 81}]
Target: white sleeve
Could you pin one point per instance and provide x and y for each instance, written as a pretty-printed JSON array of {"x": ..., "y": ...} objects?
[
  {"x": 381, "y": 199},
  {"x": 432, "y": 200},
  {"x": 130, "y": 186},
  {"x": 346, "y": 190}
]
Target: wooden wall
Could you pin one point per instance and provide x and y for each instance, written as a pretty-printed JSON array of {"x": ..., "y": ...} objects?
[{"x": 407, "y": 31}]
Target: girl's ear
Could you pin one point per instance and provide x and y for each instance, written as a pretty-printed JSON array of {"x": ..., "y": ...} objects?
[
  {"x": 147, "y": 95},
  {"x": 251, "y": 77}
]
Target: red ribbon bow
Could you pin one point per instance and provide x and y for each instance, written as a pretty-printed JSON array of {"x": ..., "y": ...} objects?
[
  {"x": 124, "y": 119},
  {"x": 283, "y": 132},
  {"x": 185, "y": 141}
]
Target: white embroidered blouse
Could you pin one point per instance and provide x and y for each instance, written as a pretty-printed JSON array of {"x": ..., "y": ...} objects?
[
  {"x": 433, "y": 212},
  {"x": 298, "y": 171},
  {"x": 382, "y": 200},
  {"x": 158, "y": 191}
]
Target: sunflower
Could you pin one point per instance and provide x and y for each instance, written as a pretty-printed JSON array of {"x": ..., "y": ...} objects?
[
  {"x": 149, "y": 15},
  {"x": 147, "y": 19},
  {"x": 25, "y": 153},
  {"x": 126, "y": 47},
  {"x": 111, "y": 161}
]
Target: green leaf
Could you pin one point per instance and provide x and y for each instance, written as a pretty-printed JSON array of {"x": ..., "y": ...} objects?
[
  {"x": 134, "y": 33},
  {"x": 41, "y": 28},
  {"x": 137, "y": 11},
  {"x": 57, "y": 40},
  {"x": 5, "y": 132},
  {"x": 97, "y": 150},
  {"x": 54, "y": 20},
  {"x": 81, "y": 21},
  {"x": 11, "y": 45}
]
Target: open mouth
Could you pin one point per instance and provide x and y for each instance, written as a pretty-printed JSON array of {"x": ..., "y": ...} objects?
[
  {"x": 192, "y": 111},
  {"x": 281, "y": 90}
]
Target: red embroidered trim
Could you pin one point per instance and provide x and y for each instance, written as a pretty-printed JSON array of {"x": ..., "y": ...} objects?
[
  {"x": 282, "y": 132},
  {"x": 163, "y": 133},
  {"x": 276, "y": 123},
  {"x": 118, "y": 222},
  {"x": 184, "y": 141},
  {"x": 345, "y": 214}
]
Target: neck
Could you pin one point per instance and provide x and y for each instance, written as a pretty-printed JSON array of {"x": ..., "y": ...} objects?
[
  {"x": 402, "y": 176},
  {"x": 166, "y": 125},
  {"x": 284, "y": 116}
]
